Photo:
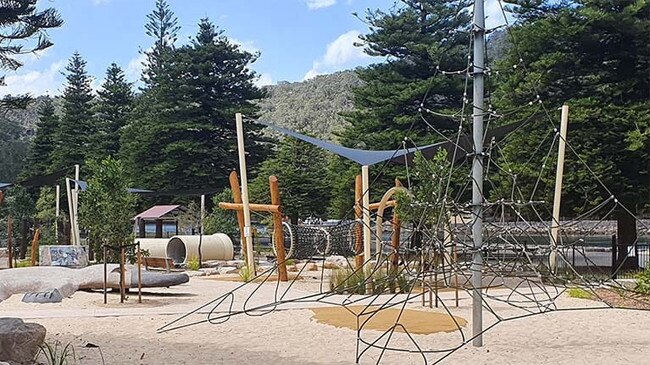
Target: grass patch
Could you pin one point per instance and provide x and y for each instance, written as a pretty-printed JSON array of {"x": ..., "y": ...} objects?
[
  {"x": 24, "y": 263},
  {"x": 349, "y": 281},
  {"x": 246, "y": 274},
  {"x": 580, "y": 293}
]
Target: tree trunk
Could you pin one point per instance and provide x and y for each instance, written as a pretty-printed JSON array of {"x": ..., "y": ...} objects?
[
  {"x": 24, "y": 238},
  {"x": 627, "y": 236}
]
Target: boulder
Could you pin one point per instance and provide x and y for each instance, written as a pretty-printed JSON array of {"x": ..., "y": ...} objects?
[
  {"x": 336, "y": 262},
  {"x": 51, "y": 296},
  {"x": 235, "y": 263},
  {"x": 228, "y": 270},
  {"x": 308, "y": 266},
  {"x": 19, "y": 341}
]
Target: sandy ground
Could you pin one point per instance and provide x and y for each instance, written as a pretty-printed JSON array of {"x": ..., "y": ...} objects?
[{"x": 128, "y": 333}]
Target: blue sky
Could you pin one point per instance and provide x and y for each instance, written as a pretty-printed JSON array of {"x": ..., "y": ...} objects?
[{"x": 297, "y": 39}]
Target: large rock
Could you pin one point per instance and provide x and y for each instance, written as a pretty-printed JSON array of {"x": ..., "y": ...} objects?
[
  {"x": 336, "y": 262},
  {"x": 19, "y": 341}
]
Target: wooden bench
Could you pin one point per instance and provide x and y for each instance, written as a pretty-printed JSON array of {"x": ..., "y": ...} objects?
[{"x": 164, "y": 263}]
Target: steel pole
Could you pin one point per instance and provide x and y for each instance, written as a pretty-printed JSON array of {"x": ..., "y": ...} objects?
[{"x": 477, "y": 173}]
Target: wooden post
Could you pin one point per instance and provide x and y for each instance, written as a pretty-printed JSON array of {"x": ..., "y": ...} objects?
[
  {"x": 358, "y": 230},
  {"x": 57, "y": 210},
  {"x": 236, "y": 198},
  {"x": 75, "y": 202},
  {"x": 395, "y": 237},
  {"x": 142, "y": 232},
  {"x": 159, "y": 228},
  {"x": 555, "y": 223},
  {"x": 277, "y": 230},
  {"x": 614, "y": 256},
  {"x": 10, "y": 241},
  {"x": 122, "y": 276},
  {"x": 269, "y": 208},
  {"x": 139, "y": 274},
  {"x": 250, "y": 260},
  {"x": 105, "y": 274},
  {"x": 365, "y": 186},
  {"x": 37, "y": 237},
  {"x": 68, "y": 191}
]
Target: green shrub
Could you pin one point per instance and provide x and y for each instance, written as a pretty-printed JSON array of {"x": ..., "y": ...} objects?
[
  {"x": 643, "y": 281},
  {"x": 57, "y": 354},
  {"x": 245, "y": 273},
  {"x": 193, "y": 264}
]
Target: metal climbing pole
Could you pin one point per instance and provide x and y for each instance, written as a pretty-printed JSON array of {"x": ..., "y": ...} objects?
[{"x": 477, "y": 173}]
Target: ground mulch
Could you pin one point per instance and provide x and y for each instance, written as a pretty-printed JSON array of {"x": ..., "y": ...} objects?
[{"x": 626, "y": 300}]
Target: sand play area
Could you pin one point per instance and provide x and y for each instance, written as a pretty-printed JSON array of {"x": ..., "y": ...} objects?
[{"x": 299, "y": 333}]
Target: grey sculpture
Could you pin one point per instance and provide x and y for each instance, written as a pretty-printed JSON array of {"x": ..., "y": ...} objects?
[{"x": 43, "y": 284}]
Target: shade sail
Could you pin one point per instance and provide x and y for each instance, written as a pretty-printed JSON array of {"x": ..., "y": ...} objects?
[{"x": 401, "y": 156}]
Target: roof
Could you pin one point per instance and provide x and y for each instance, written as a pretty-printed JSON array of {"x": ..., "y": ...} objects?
[
  {"x": 157, "y": 211},
  {"x": 5, "y": 185}
]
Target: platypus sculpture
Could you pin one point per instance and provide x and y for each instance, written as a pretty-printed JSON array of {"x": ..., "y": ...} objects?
[{"x": 50, "y": 284}]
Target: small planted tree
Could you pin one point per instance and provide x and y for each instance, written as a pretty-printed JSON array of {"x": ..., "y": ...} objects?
[
  {"x": 45, "y": 216},
  {"x": 221, "y": 220},
  {"x": 191, "y": 220},
  {"x": 106, "y": 207}
]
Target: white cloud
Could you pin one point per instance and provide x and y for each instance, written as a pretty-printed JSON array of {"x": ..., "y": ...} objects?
[
  {"x": 135, "y": 66},
  {"x": 341, "y": 53},
  {"x": 35, "y": 82},
  {"x": 319, "y": 4},
  {"x": 494, "y": 15},
  {"x": 248, "y": 46},
  {"x": 264, "y": 80},
  {"x": 100, "y": 2}
]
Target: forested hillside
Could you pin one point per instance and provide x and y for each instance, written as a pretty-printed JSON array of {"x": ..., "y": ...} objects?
[
  {"x": 311, "y": 106},
  {"x": 17, "y": 127}
]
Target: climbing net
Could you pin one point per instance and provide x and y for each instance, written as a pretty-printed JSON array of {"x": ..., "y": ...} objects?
[{"x": 524, "y": 271}]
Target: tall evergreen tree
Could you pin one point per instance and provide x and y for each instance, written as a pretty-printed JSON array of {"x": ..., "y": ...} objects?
[
  {"x": 593, "y": 55},
  {"x": 77, "y": 125},
  {"x": 190, "y": 141},
  {"x": 112, "y": 112},
  {"x": 418, "y": 39},
  {"x": 41, "y": 150},
  {"x": 22, "y": 22},
  {"x": 163, "y": 27},
  {"x": 139, "y": 145}
]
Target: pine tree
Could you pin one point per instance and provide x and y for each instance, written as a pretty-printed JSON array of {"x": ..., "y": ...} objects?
[
  {"x": 41, "y": 149},
  {"x": 419, "y": 40},
  {"x": 189, "y": 142},
  {"x": 22, "y": 22},
  {"x": 139, "y": 144},
  {"x": 594, "y": 56},
  {"x": 112, "y": 112},
  {"x": 77, "y": 125},
  {"x": 163, "y": 28}
]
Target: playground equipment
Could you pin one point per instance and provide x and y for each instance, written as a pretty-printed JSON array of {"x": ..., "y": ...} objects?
[
  {"x": 274, "y": 208},
  {"x": 180, "y": 249}
]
